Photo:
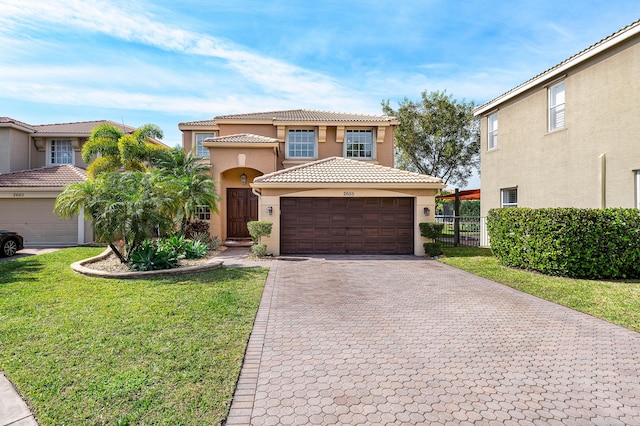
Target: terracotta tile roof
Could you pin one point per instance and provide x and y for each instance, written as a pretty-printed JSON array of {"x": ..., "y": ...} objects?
[
  {"x": 241, "y": 138},
  {"x": 11, "y": 121},
  {"x": 53, "y": 176},
  {"x": 307, "y": 115},
  {"x": 344, "y": 170},
  {"x": 204, "y": 123},
  {"x": 82, "y": 128},
  {"x": 607, "y": 42}
]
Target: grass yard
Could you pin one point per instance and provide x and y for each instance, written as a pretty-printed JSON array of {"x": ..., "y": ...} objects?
[
  {"x": 99, "y": 351},
  {"x": 614, "y": 301}
]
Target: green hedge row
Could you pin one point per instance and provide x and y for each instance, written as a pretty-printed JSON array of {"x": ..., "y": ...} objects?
[{"x": 580, "y": 243}]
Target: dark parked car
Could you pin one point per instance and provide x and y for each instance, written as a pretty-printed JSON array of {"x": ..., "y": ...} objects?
[{"x": 10, "y": 243}]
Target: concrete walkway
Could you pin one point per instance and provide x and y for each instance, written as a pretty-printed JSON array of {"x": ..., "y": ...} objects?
[{"x": 404, "y": 340}]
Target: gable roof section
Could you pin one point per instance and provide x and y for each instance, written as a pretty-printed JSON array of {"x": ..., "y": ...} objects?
[
  {"x": 53, "y": 176},
  {"x": 241, "y": 138},
  {"x": 195, "y": 124},
  {"x": 303, "y": 115},
  {"x": 339, "y": 170},
  {"x": 606, "y": 43}
]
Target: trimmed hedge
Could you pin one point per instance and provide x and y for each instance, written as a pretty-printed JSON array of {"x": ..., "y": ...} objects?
[{"x": 571, "y": 242}]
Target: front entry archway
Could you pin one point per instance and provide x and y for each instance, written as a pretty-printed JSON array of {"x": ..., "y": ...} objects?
[{"x": 242, "y": 207}]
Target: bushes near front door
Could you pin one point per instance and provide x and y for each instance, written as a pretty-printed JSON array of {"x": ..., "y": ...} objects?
[
  {"x": 572, "y": 242},
  {"x": 257, "y": 230}
]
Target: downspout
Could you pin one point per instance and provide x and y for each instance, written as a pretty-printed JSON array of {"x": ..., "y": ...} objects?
[{"x": 603, "y": 180}]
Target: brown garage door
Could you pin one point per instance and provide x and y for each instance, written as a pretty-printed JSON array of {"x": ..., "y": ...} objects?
[{"x": 346, "y": 225}]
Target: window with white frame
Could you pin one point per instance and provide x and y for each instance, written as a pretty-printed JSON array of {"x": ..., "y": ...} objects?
[
  {"x": 359, "y": 143},
  {"x": 203, "y": 213},
  {"x": 202, "y": 151},
  {"x": 61, "y": 152},
  {"x": 492, "y": 135},
  {"x": 301, "y": 143},
  {"x": 556, "y": 106},
  {"x": 509, "y": 197}
]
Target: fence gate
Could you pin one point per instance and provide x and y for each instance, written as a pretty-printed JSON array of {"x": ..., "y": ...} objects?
[{"x": 463, "y": 231}]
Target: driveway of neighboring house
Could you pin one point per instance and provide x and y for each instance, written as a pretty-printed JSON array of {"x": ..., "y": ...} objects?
[
  {"x": 30, "y": 251},
  {"x": 404, "y": 340}
]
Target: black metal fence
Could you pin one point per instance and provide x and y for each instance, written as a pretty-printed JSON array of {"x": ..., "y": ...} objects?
[{"x": 463, "y": 231}]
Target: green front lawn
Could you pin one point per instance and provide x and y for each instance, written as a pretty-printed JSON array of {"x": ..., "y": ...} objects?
[
  {"x": 615, "y": 301},
  {"x": 99, "y": 351}
]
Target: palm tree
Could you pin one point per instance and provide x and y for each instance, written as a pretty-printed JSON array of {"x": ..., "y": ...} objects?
[
  {"x": 115, "y": 149},
  {"x": 188, "y": 181},
  {"x": 126, "y": 207}
]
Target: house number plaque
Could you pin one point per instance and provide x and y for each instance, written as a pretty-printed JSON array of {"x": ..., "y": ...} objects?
[{"x": 349, "y": 194}]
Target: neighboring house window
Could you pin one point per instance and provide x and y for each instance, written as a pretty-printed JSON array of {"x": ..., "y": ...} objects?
[
  {"x": 203, "y": 213},
  {"x": 301, "y": 143},
  {"x": 556, "y": 106},
  {"x": 359, "y": 143},
  {"x": 61, "y": 152},
  {"x": 510, "y": 197},
  {"x": 201, "y": 151},
  {"x": 492, "y": 137}
]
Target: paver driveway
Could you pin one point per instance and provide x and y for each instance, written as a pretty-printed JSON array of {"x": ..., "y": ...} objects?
[{"x": 404, "y": 340}]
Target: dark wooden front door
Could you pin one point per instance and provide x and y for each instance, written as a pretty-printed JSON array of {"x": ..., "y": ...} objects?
[
  {"x": 242, "y": 207},
  {"x": 346, "y": 225}
]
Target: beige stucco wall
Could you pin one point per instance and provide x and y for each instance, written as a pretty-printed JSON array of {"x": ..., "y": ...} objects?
[
  {"x": 563, "y": 168},
  {"x": 14, "y": 150},
  {"x": 271, "y": 198}
]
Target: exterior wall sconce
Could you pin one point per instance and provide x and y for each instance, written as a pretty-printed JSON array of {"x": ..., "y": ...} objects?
[
  {"x": 270, "y": 210},
  {"x": 427, "y": 211},
  {"x": 243, "y": 179}
]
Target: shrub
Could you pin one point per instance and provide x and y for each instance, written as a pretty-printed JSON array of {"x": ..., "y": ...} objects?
[
  {"x": 433, "y": 231},
  {"x": 580, "y": 243},
  {"x": 259, "y": 229},
  {"x": 259, "y": 250},
  {"x": 176, "y": 243},
  {"x": 194, "y": 249},
  {"x": 149, "y": 257},
  {"x": 197, "y": 227}
]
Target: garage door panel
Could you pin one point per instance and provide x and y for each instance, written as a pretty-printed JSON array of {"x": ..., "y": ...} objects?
[
  {"x": 35, "y": 221},
  {"x": 370, "y": 225}
]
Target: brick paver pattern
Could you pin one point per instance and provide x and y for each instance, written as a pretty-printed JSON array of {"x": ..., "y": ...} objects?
[{"x": 404, "y": 340}]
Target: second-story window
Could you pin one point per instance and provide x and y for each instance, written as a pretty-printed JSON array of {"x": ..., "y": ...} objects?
[
  {"x": 61, "y": 152},
  {"x": 359, "y": 143},
  {"x": 301, "y": 143},
  {"x": 492, "y": 136},
  {"x": 202, "y": 151},
  {"x": 556, "y": 106}
]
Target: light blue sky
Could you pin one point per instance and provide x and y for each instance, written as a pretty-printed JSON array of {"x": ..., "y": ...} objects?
[{"x": 167, "y": 61}]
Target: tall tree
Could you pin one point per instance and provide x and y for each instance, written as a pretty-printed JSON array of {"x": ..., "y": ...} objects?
[
  {"x": 115, "y": 149},
  {"x": 187, "y": 178},
  {"x": 437, "y": 136}
]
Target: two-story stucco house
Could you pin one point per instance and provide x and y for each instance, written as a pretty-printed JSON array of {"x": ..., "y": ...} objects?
[
  {"x": 36, "y": 162},
  {"x": 570, "y": 136},
  {"x": 325, "y": 180}
]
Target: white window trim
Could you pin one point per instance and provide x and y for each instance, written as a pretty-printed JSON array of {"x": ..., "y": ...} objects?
[
  {"x": 552, "y": 108},
  {"x": 315, "y": 143},
  {"x": 502, "y": 194},
  {"x": 49, "y": 152},
  {"x": 492, "y": 134},
  {"x": 637, "y": 189},
  {"x": 195, "y": 142},
  {"x": 373, "y": 143}
]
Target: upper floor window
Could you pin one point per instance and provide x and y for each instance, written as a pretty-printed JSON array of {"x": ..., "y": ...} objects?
[
  {"x": 202, "y": 151},
  {"x": 301, "y": 143},
  {"x": 492, "y": 136},
  {"x": 61, "y": 152},
  {"x": 359, "y": 143},
  {"x": 556, "y": 106},
  {"x": 509, "y": 197}
]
